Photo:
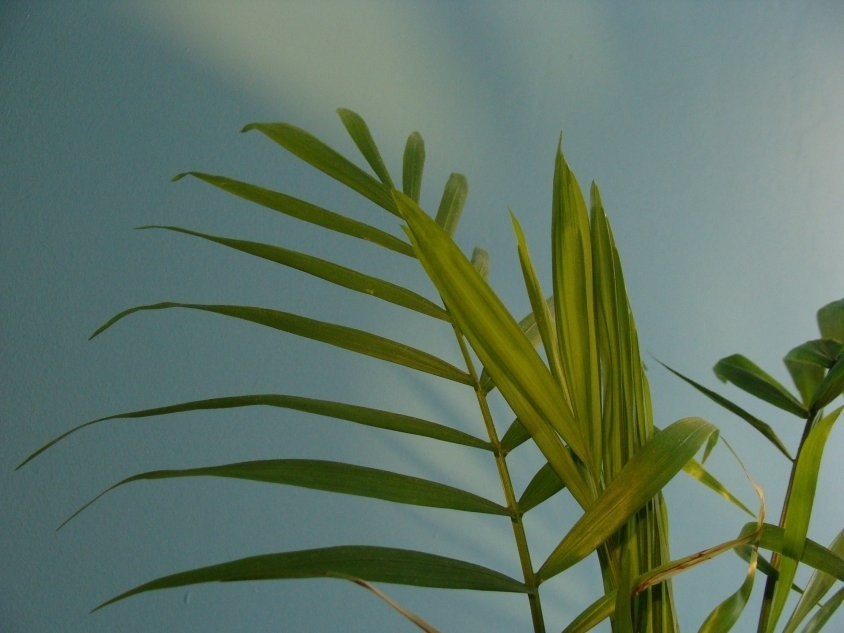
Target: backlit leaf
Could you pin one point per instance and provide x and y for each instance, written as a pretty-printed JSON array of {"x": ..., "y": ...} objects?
[
  {"x": 451, "y": 204},
  {"x": 831, "y": 320},
  {"x": 413, "y": 166}
]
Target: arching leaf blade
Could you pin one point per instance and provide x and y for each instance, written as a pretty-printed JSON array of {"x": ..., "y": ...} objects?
[
  {"x": 305, "y": 211},
  {"x": 644, "y": 475},
  {"x": 726, "y": 614},
  {"x": 366, "y": 416},
  {"x": 331, "y": 333},
  {"x": 807, "y": 363},
  {"x": 313, "y": 151},
  {"x": 373, "y": 564},
  {"x": 814, "y": 554},
  {"x": 515, "y": 435},
  {"x": 593, "y": 615},
  {"x": 362, "y": 137},
  {"x": 332, "y": 476},
  {"x": 749, "y": 377},
  {"x": 755, "y": 422},
  {"x": 329, "y": 271},
  {"x": 695, "y": 470},
  {"x": 413, "y": 166}
]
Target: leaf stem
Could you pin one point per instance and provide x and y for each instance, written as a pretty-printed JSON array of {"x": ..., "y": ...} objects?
[{"x": 509, "y": 494}]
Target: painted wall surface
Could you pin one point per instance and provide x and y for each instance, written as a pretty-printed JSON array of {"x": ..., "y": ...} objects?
[{"x": 715, "y": 133}]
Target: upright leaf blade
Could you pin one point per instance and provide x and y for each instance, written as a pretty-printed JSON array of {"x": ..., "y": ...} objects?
[
  {"x": 373, "y": 564},
  {"x": 798, "y": 511},
  {"x": 331, "y": 333},
  {"x": 359, "y": 131},
  {"x": 505, "y": 352},
  {"x": 413, "y": 166},
  {"x": 451, "y": 204},
  {"x": 818, "y": 586}
]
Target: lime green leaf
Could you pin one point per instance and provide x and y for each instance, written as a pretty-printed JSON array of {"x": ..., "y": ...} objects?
[
  {"x": 831, "y": 386},
  {"x": 480, "y": 260},
  {"x": 451, "y": 203},
  {"x": 539, "y": 308},
  {"x": 373, "y": 564},
  {"x": 807, "y": 364},
  {"x": 798, "y": 511},
  {"x": 726, "y": 614},
  {"x": 819, "y": 584},
  {"x": 333, "y": 477},
  {"x": 527, "y": 325},
  {"x": 593, "y": 615},
  {"x": 515, "y": 435},
  {"x": 755, "y": 422},
  {"x": 302, "y": 210},
  {"x": 505, "y": 352},
  {"x": 313, "y": 151},
  {"x": 571, "y": 260},
  {"x": 544, "y": 485},
  {"x": 653, "y": 466},
  {"x": 814, "y": 554},
  {"x": 831, "y": 320},
  {"x": 746, "y": 375},
  {"x": 694, "y": 469},
  {"x": 326, "y": 270},
  {"x": 349, "y": 412},
  {"x": 331, "y": 333},
  {"x": 413, "y": 166},
  {"x": 359, "y": 131},
  {"x": 823, "y": 614},
  {"x": 623, "y": 620}
]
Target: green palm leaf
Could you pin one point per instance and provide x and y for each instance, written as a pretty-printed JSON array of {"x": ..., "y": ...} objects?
[
  {"x": 359, "y": 131},
  {"x": 304, "y": 211},
  {"x": 505, "y": 352},
  {"x": 331, "y": 333},
  {"x": 342, "y": 411},
  {"x": 413, "y": 165},
  {"x": 818, "y": 586},
  {"x": 641, "y": 478},
  {"x": 326, "y": 270},
  {"x": 332, "y": 477},
  {"x": 373, "y": 564},
  {"x": 313, "y": 151},
  {"x": 451, "y": 203}
]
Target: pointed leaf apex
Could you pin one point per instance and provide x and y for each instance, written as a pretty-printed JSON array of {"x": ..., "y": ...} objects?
[{"x": 180, "y": 176}]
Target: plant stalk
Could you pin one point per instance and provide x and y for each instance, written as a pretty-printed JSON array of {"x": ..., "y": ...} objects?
[{"x": 509, "y": 494}]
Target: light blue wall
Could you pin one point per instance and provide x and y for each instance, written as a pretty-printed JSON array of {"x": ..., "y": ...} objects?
[{"x": 715, "y": 134}]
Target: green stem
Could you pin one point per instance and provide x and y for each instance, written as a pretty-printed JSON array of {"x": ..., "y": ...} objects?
[{"x": 509, "y": 494}]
